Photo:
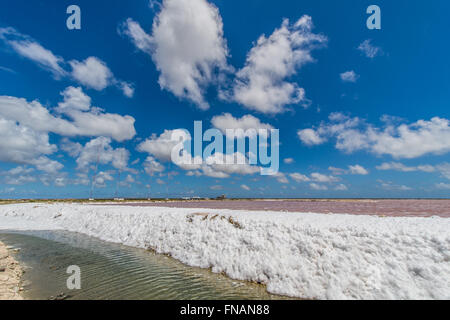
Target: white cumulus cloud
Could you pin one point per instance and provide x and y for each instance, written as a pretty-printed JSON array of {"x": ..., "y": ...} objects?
[
  {"x": 398, "y": 140},
  {"x": 86, "y": 120},
  {"x": 92, "y": 72},
  {"x": 349, "y": 76},
  {"x": 298, "y": 177},
  {"x": 160, "y": 146},
  {"x": 99, "y": 151},
  {"x": 187, "y": 46},
  {"x": 262, "y": 84},
  {"x": 397, "y": 166},
  {"x": 23, "y": 145},
  {"x": 370, "y": 50},
  {"x": 310, "y": 137},
  {"x": 151, "y": 166},
  {"x": 357, "y": 169},
  {"x": 318, "y": 187},
  {"x": 227, "y": 121}
]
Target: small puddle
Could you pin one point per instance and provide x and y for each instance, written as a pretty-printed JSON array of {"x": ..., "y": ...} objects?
[{"x": 113, "y": 271}]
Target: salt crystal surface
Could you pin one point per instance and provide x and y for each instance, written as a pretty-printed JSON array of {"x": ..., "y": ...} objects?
[{"x": 304, "y": 255}]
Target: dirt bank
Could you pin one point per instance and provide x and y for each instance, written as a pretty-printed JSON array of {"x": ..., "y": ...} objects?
[{"x": 10, "y": 274}]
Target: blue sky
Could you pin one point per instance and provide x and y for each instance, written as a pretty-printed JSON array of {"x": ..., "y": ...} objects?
[{"x": 361, "y": 113}]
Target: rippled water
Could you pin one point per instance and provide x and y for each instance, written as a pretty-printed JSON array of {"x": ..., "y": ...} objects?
[{"x": 112, "y": 271}]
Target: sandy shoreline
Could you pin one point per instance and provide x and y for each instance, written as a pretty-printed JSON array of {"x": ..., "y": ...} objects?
[{"x": 10, "y": 274}]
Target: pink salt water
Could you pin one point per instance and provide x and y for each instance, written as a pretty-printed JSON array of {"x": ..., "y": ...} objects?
[{"x": 394, "y": 208}]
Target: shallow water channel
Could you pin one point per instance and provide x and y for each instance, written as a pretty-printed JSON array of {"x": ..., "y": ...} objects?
[{"x": 113, "y": 271}]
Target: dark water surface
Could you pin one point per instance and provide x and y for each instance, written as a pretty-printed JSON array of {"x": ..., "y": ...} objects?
[{"x": 112, "y": 271}]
